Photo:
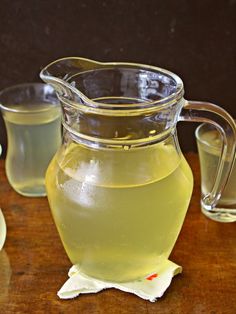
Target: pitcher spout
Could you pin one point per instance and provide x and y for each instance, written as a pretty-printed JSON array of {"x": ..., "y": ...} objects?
[{"x": 60, "y": 72}]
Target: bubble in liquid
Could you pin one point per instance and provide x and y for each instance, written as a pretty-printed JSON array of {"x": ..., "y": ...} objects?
[{"x": 126, "y": 147}]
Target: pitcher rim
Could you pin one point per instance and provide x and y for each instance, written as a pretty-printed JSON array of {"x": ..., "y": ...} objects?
[
  {"x": 100, "y": 107},
  {"x": 6, "y": 108}
]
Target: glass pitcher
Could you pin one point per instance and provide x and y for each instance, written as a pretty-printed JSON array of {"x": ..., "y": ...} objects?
[{"x": 119, "y": 187}]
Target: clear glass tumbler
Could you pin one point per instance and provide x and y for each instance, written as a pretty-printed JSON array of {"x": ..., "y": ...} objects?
[
  {"x": 209, "y": 143},
  {"x": 32, "y": 117}
]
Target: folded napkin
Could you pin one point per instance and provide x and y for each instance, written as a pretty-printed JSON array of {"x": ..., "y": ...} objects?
[
  {"x": 149, "y": 288},
  {"x": 3, "y": 229}
]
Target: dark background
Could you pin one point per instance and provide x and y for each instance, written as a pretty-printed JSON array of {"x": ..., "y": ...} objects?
[{"x": 194, "y": 39}]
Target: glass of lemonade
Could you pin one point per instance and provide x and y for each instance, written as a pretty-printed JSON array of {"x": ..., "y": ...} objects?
[
  {"x": 209, "y": 144},
  {"x": 32, "y": 117}
]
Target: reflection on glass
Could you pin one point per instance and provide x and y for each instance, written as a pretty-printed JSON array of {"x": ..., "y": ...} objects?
[{"x": 3, "y": 229}]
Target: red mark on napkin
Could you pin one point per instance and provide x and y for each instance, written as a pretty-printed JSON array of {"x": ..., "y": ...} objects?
[{"x": 151, "y": 277}]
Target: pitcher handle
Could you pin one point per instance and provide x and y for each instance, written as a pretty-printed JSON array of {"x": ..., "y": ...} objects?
[{"x": 198, "y": 111}]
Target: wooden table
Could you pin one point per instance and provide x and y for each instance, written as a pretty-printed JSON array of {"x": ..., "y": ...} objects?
[{"x": 35, "y": 264}]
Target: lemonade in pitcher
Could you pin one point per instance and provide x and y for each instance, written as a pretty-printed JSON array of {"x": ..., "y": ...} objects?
[{"x": 119, "y": 212}]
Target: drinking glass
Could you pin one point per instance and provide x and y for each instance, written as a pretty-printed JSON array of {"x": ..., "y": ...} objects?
[
  {"x": 32, "y": 117},
  {"x": 209, "y": 145}
]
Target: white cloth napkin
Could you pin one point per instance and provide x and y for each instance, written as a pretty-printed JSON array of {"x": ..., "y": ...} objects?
[
  {"x": 3, "y": 229},
  {"x": 149, "y": 288}
]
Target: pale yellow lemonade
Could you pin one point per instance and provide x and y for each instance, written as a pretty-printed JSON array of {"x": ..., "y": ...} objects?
[
  {"x": 119, "y": 212},
  {"x": 34, "y": 135},
  {"x": 209, "y": 153}
]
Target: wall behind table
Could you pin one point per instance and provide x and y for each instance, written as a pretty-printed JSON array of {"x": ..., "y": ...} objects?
[{"x": 194, "y": 39}]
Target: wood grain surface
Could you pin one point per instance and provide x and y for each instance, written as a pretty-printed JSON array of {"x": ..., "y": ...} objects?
[{"x": 33, "y": 264}]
